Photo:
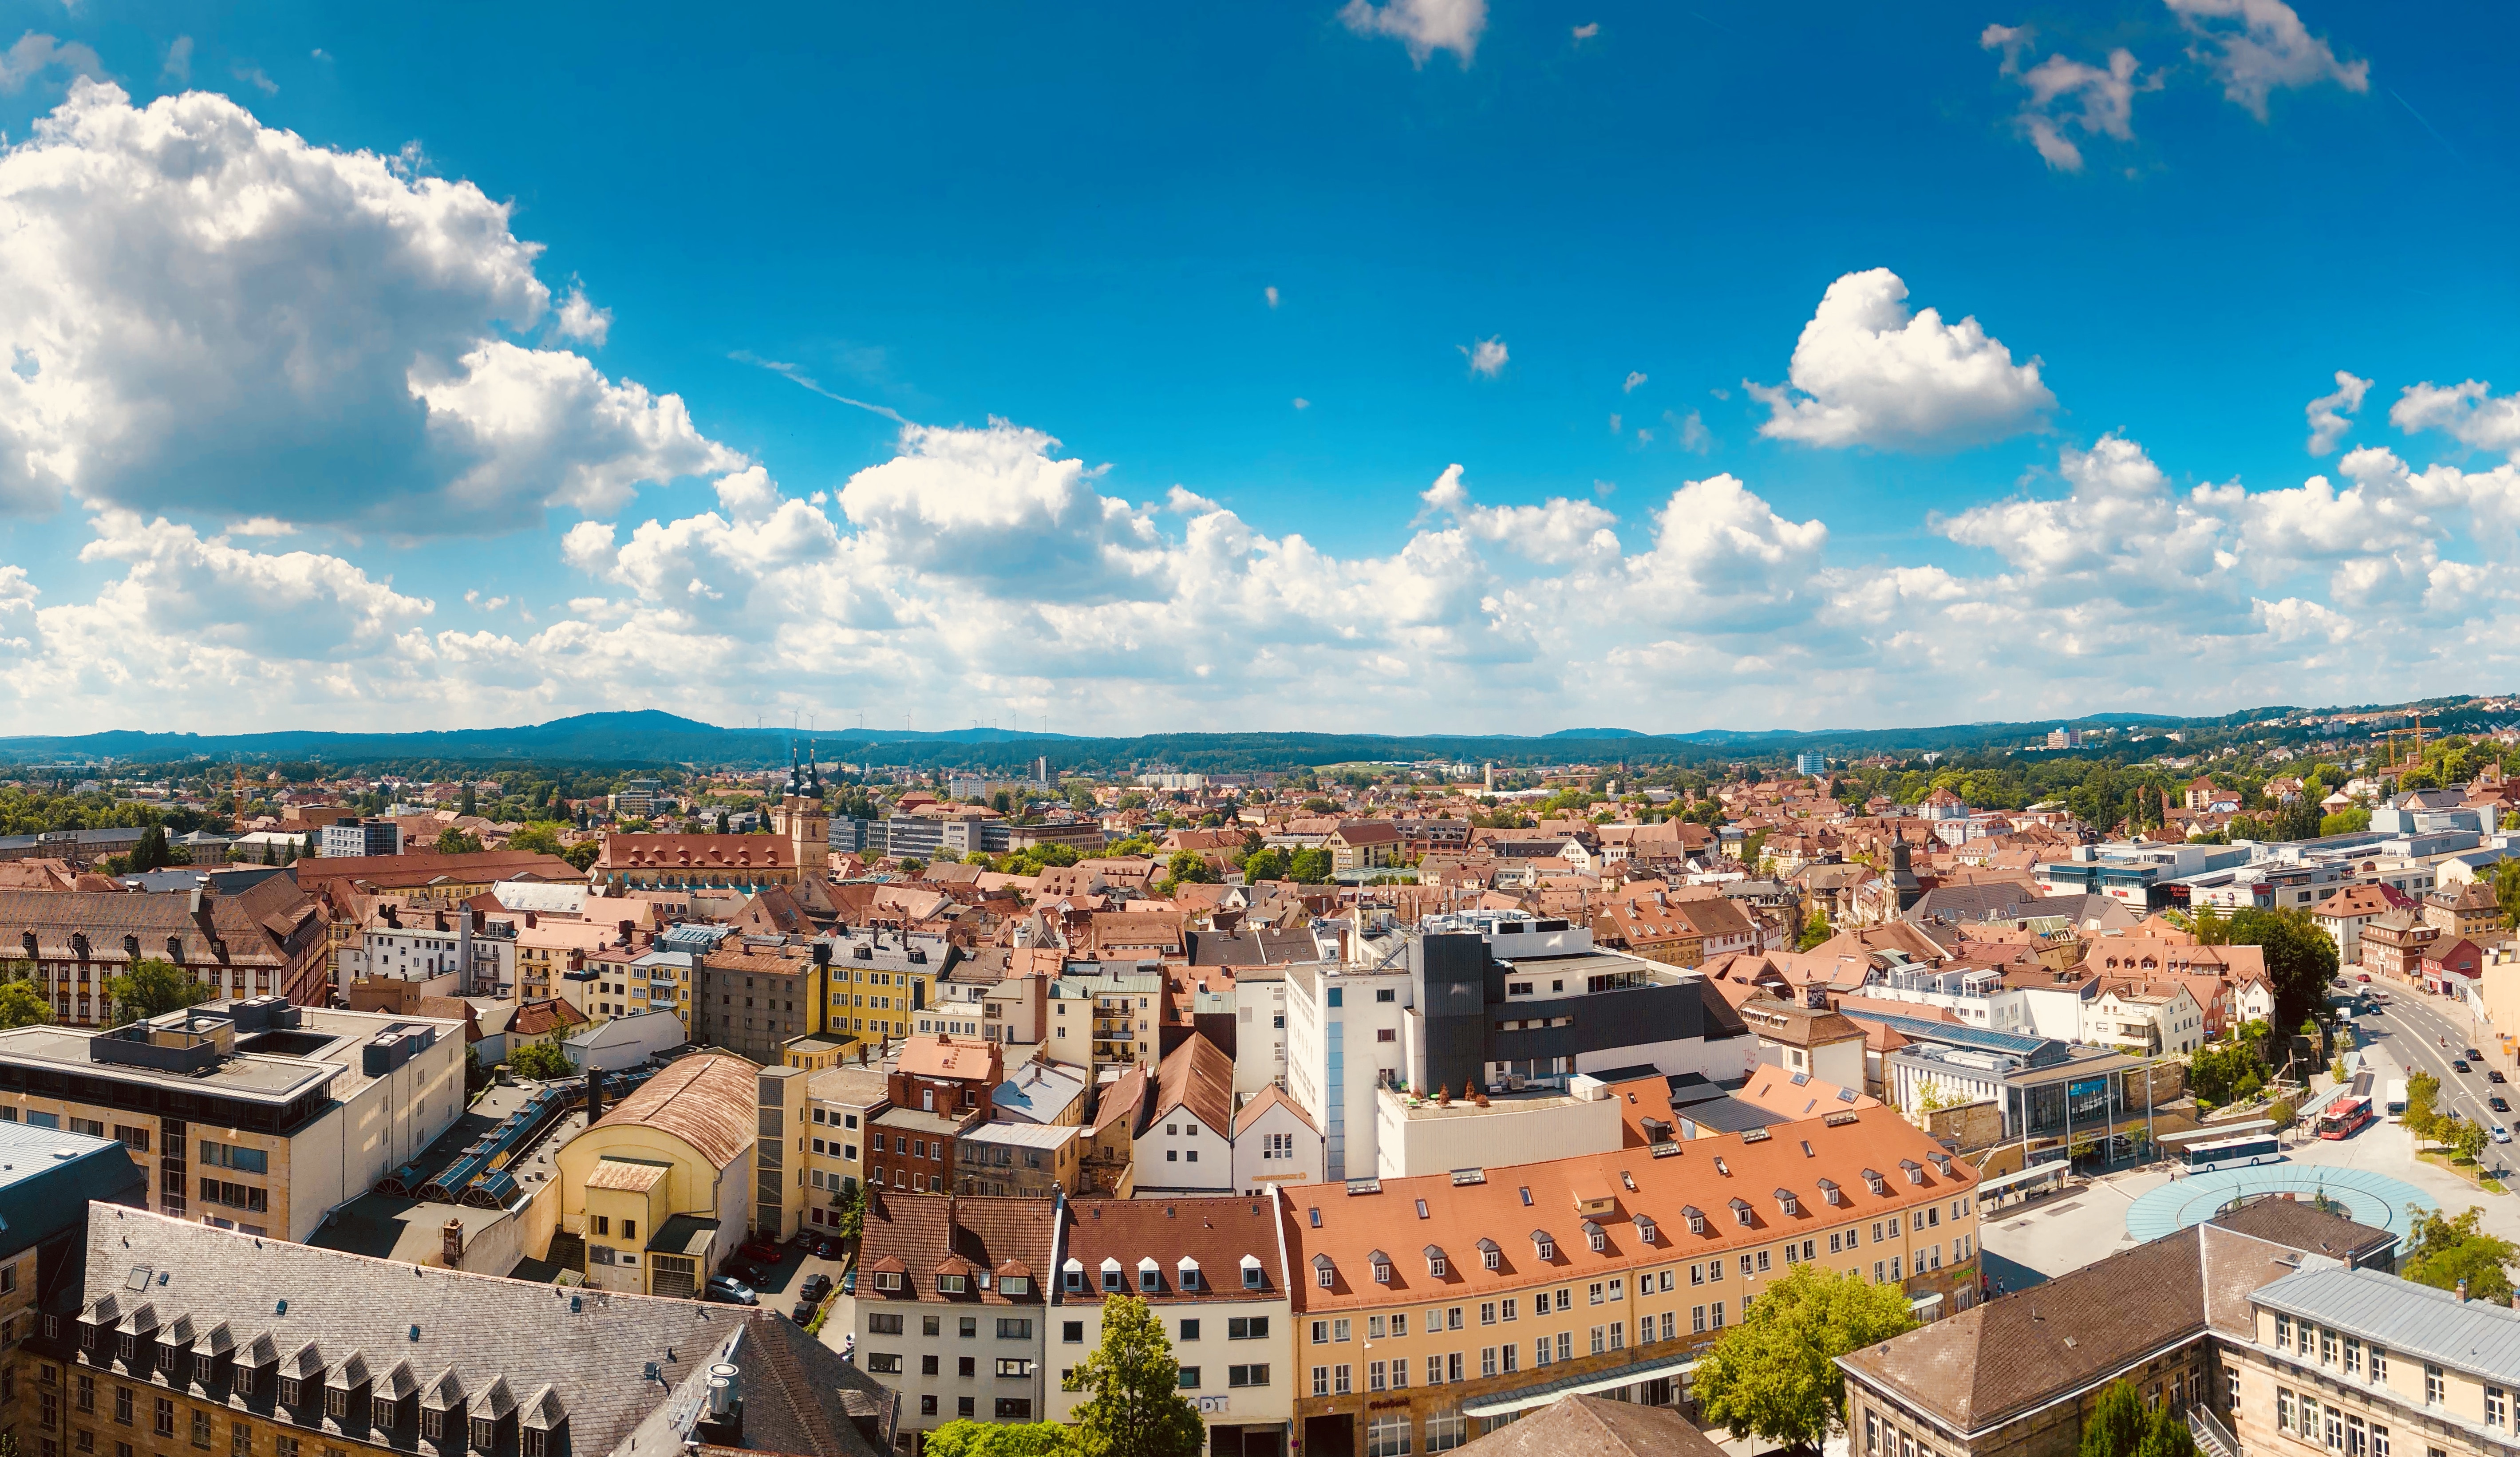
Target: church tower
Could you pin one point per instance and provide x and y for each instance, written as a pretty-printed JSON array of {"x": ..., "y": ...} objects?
[{"x": 802, "y": 817}]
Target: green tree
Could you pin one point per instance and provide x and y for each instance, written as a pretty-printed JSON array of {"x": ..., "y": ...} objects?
[
  {"x": 582, "y": 854},
  {"x": 1136, "y": 1409},
  {"x": 469, "y": 805},
  {"x": 154, "y": 988},
  {"x": 21, "y": 1006},
  {"x": 1776, "y": 1373},
  {"x": 1264, "y": 865},
  {"x": 1189, "y": 866},
  {"x": 2445, "y": 1250},
  {"x": 852, "y": 1213},
  {"x": 151, "y": 853},
  {"x": 540, "y": 1062},
  {"x": 2117, "y": 1425},
  {"x": 2345, "y": 822},
  {"x": 1815, "y": 931},
  {"x": 541, "y": 837},
  {"x": 2169, "y": 1436},
  {"x": 1310, "y": 867},
  {"x": 454, "y": 841},
  {"x": 2300, "y": 958},
  {"x": 965, "y": 1437}
]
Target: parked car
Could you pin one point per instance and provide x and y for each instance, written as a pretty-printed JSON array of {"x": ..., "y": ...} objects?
[
  {"x": 803, "y": 1313},
  {"x": 2459, "y": 1065},
  {"x": 816, "y": 1286},
  {"x": 826, "y": 1249},
  {"x": 2365, "y": 977},
  {"x": 729, "y": 1291},
  {"x": 760, "y": 1249},
  {"x": 746, "y": 1272},
  {"x": 2474, "y": 1056},
  {"x": 849, "y": 1281}
]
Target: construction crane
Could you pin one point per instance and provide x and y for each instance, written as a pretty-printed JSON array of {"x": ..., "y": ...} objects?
[{"x": 2415, "y": 734}]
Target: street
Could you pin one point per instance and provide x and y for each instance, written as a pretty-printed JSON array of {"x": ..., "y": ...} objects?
[{"x": 2421, "y": 1032}]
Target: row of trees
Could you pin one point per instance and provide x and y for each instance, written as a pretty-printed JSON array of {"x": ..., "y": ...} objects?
[{"x": 2428, "y": 1121}]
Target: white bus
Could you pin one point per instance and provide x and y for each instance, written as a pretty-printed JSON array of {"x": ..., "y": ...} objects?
[{"x": 2395, "y": 1107}]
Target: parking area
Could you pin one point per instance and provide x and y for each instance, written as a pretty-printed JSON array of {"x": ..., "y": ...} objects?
[{"x": 781, "y": 1283}]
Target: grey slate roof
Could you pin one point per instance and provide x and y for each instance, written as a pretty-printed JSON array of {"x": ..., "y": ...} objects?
[
  {"x": 2416, "y": 1320},
  {"x": 625, "y": 1373}
]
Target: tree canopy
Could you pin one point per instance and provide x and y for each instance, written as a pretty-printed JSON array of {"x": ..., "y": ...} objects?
[
  {"x": 1136, "y": 1409},
  {"x": 22, "y": 1005},
  {"x": 2445, "y": 1250},
  {"x": 1776, "y": 1374},
  {"x": 154, "y": 988},
  {"x": 540, "y": 1062},
  {"x": 963, "y": 1438}
]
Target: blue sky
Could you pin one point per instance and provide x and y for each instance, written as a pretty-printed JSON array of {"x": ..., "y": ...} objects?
[{"x": 281, "y": 484}]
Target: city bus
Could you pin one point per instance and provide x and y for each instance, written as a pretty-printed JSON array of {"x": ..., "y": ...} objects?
[
  {"x": 2395, "y": 1107},
  {"x": 2345, "y": 1117},
  {"x": 2234, "y": 1153}
]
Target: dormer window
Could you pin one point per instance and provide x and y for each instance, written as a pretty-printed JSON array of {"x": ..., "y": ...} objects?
[
  {"x": 1435, "y": 1265},
  {"x": 1015, "y": 1285},
  {"x": 951, "y": 1285},
  {"x": 336, "y": 1404},
  {"x": 292, "y": 1390},
  {"x": 484, "y": 1433},
  {"x": 1543, "y": 1246},
  {"x": 1111, "y": 1276},
  {"x": 1645, "y": 1229},
  {"x": 887, "y": 1280},
  {"x": 1491, "y": 1255},
  {"x": 1251, "y": 1274},
  {"x": 1873, "y": 1181},
  {"x": 1381, "y": 1264},
  {"x": 1787, "y": 1202},
  {"x": 1914, "y": 1171},
  {"x": 1741, "y": 1211},
  {"x": 1325, "y": 1271},
  {"x": 1150, "y": 1276},
  {"x": 1830, "y": 1193},
  {"x": 1595, "y": 1236},
  {"x": 1696, "y": 1217},
  {"x": 1072, "y": 1275},
  {"x": 1186, "y": 1272}
]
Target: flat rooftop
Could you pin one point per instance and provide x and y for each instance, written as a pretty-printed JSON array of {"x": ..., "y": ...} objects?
[
  {"x": 1529, "y": 1099},
  {"x": 261, "y": 1076},
  {"x": 273, "y": 1065}
]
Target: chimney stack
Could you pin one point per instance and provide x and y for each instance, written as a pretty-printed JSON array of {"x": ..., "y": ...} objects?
[
  {"x": 450, "y": 1244},
  {"x": 2463, "y": 1290}
]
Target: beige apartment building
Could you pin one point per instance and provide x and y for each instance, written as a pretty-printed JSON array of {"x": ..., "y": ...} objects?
[{"x": 259, "y": 1114}]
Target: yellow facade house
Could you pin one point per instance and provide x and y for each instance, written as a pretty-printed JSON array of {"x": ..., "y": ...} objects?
[{"x": 661, "y": 1186}]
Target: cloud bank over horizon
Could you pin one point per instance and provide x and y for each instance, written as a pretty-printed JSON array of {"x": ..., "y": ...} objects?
[{"x": 262, "y": 372}]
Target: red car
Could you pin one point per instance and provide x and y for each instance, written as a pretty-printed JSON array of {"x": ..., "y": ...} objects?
[
  {"x": 2365, "y": 977},
  {"x": 760, "y": 1249}
]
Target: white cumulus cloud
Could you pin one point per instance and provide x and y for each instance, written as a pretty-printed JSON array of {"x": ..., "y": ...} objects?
[
  {"x": 2331, "y": 414},
  {"x": 1487, "y": 356},
  {"x": 2256, "y": 47},
  {"x": 1866, "y": 372},
  {"x": 2468, "y": 412},
  {"x": 211, "y": 314},
  {"x": 2063, "y": 93},
  {"x": 1424, "y": 27}
]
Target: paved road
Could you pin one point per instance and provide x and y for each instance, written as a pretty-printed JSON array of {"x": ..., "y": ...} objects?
[{"x": 2424, "y": 1033}]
